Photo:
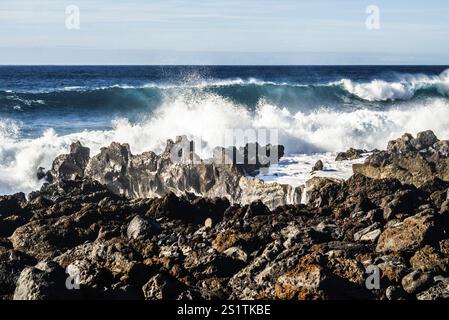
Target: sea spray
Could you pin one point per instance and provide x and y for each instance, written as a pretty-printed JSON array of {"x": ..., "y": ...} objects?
[
  {"x": 314, "y": 109},
  {"x": 317, "y": 132}
]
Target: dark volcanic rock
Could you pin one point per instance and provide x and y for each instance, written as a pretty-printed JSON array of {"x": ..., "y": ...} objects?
[
  {"x": 350, "y": 154},
  {"x": 120, "y": 248},
  {"x": 319, "y": 166},
  {"x": 149, "y": 174},
  {"x": 72, "y": 165},
  {"x": 90, "y": 227},
  {"x": 11, "y": 265},
  {"x": 410, "y": 160},
  {"x": 12, "y": 213},
  {"x": 179, "y": 170}
]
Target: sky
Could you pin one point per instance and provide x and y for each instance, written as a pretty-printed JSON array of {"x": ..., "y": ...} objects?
[{"x": 224, "y": 32}]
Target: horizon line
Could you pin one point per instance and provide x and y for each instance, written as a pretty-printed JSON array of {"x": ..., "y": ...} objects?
[{"x": 224, "y": 65}]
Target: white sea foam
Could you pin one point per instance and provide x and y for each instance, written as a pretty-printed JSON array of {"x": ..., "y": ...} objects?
[
  {"x": 192, "y": 82},
  {"x": 403, "y": 89},
  {"x": 208, "y": 116},
  {"x": 295, "y": 169}
]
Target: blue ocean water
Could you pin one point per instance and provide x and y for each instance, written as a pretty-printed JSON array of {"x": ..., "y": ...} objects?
[
  {"x": 73, "y": 98},
  {"x": 316, "y": 110}
]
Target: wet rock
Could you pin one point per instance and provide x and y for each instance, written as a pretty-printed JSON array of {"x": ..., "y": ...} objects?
[
  {"x": 322, "y": 191},
  {"x": 350, "y": 154},
  {"x": 272, "y": 194},
  {"x": 72, "y": 165},
  {"x": 11, "y": 204},
  {"x": 442, "y": 147},
  {"x": 402, "y": 145},
  {"x": 184, "y": 246},
  {"x": 178, "y": 170},
  {"x": 319, "y": 166},
  {"x": 41, "y": 173},
  {"x": 424, "y": 140}
]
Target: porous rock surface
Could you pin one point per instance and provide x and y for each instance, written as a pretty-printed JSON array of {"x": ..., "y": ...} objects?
[
  {"x": 77, "y": 238},
  {"x": 413, "y": 160},
  {"x": 179, "y": 170}
]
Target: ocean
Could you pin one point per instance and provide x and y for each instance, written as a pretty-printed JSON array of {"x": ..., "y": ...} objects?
[{"x": 317, "y": 110}]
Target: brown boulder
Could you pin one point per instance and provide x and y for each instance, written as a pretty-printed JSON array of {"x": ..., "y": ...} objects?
[
  {"x": 408, "y": 235},
  {"x": 429, "y": 259}
]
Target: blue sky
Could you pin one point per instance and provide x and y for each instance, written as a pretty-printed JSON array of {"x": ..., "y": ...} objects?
[{"x": 224, "y": 32}]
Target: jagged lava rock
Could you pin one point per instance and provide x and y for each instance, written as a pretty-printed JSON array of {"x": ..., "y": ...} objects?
[
  {"x": 181, "y": 245},
  {"x": 409, "y": 235},
  {"x": 179, "y": 170},
  {"x": 410, "y": 160},
  {"x": 350, "y": 154}
]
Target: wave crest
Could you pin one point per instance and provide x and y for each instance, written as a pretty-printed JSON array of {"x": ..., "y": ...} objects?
[
  {"x": 207, "y": 116},
  {"x": 295, "y": 96},
  {"x": 404, "y": 89}
]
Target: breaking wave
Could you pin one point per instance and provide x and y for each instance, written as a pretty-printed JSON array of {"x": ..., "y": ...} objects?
[
  {"x": 404, "y": 89},
  {"x": 248, "y": 92},
  {"x": 208, "y": 115}
]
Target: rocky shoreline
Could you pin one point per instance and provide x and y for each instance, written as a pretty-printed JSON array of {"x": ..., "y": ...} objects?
[
  {"x": 120, "y": 226},
  {"x": 178, "y": 170}
]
